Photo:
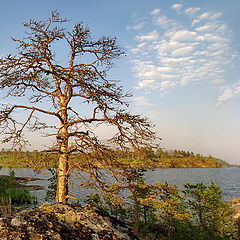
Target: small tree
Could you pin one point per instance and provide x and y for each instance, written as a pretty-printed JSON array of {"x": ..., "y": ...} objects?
[
  {"x": 62, "y": 89},
  {"x": 212, "y": 214},
  {"x": 132, "y": 180},
  {"x": 166, "y": 199}
]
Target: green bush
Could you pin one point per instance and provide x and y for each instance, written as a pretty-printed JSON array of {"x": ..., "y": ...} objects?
[
  {"x": 211, "y": 214},
  {"x": 17, "y": 196},
  {"x": 10, "y": 195}
]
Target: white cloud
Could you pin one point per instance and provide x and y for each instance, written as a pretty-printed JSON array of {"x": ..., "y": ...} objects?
[
  {"x": 165, "y": 48},
  {"x": 211, "y": 37},
  {"x": 192, "y": 10},
  {"x": 204, "y": 15},
  {"x": 183, "y": 54},
  {"x": 229, "y": 93},
  {"x": 195, "y": 21},
  {"x": 217, "y": 46},
  {"x": 206, "y": 27},
  {"x": 150, "y": 74},
  {"x": 183, "y": 35},
  {"x": 135, "y": 50},
  {"x": 156, "y": 11},
  {"x": 156, "y": 73},
  {"x": 146, "y": 83},
  {"x": 162, "y": 85},
  {"x": 226, "y": 95},
  {"x": 166, "y": 23},
  {"x": 167, "y": 84},
  {"x": 216, "y": 15},
  {"x": 154, "y": 76},
  {"x": 142, "y": 101},
  {"x": 170, "y": 60},
  {"x": 207, "y": 16},
  {"x": 148, "y": 37},
  {"x": 137, "y": 26},
  {"x": 165, "y": 69},
  {"x": 177, "y": 6},
  {"x": 210, "y": 15},
  {"x": 218, "y": 81},
  {"x": 182, "y": 51},
  {"x": 141, "y": 45}
]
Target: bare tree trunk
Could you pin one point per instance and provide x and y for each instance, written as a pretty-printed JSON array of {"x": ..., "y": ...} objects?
[
  {"x": 62, "y": 186},
  {"x": 136, "y": 215},
  {"x": 63, "y": 164}
]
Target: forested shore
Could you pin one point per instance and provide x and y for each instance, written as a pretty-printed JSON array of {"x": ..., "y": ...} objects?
[{"x": 141, "y": 158}]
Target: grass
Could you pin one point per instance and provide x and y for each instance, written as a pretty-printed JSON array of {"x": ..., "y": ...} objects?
[
  {"x": 17, "y": 196},
  {"x": 12, "y": 165},
  {"x": 27, "y": 160},
  {"x": 10, "y": 196}
]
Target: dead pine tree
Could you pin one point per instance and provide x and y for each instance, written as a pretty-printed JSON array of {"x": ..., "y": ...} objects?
[{"x": 73, "y": 89}]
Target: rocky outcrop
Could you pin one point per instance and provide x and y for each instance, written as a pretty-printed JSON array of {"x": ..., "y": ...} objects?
[
  {"x": 63, "y": 222},
  {"x": 235, "y": 203}
]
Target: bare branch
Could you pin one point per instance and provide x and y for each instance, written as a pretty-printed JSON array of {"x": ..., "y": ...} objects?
[{"x": 63, "y": 89}]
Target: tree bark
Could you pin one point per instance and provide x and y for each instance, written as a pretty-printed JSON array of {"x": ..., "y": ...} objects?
[
  {"x": 136, "y": 215},
  {"x": 62, "y": 186},
  {"x": 63, "y": 163}
]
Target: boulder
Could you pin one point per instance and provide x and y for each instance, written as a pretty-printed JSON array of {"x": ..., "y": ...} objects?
[{"x": 63, "y": 222}]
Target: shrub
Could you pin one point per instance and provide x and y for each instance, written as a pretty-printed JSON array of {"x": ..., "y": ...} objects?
[{"x": 10, "y": 195}]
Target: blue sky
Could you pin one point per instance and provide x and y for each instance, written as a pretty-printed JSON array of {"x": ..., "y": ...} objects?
[{"x": 182, "y": 62}]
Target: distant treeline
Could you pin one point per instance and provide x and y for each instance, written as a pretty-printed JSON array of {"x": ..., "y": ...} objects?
[
  {"x": 142, "y": 157},
  {"x": 149, "y": 153},
  {"x": 161, "y": 158}
]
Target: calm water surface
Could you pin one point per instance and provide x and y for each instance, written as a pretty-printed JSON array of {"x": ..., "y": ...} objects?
[{"x": 227, "y": 178}]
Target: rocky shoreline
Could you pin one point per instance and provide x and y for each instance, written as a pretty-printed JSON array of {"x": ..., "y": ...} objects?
[
  {"x": 63, "y": 222},
  {"x": 21, "y": 183}
]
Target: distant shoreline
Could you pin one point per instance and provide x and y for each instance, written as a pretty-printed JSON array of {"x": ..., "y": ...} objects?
[
  {"x": 148, "y": 164},
  {"x": 42, "y": 160}
]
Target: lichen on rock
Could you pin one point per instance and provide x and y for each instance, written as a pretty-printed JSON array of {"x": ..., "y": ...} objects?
[{"x": 63, "y": 222}]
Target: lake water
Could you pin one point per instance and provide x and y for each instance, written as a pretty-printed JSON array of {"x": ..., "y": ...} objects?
[{"x": 227, "y": 178}]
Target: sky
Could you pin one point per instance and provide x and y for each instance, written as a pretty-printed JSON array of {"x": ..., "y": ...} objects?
[{"x": 182, "y": 62}]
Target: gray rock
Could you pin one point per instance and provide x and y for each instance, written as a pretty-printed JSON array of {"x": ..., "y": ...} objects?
[
  {"x": 18, "y": 221},
  {"x": 63, "y": 222}
]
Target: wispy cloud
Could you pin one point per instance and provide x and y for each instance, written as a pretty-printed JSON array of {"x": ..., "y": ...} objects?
[
  {"x": 142, "y": 101},
  {"x": 177, "y": 7},
  {"x": 229, "y": 93},
  {"x": 207, "y": 16},
  {"x": 165, "y": 22},
  {"x": 173, "y": 54},
  {"x": 183, "y": 51},
  {"x": 192, "y": 10},
  {"x": 154, "y": 35},
  {"x": 156, "y": 11},
  {"x": 182, "y": 35},
  {"x": 136, "y": 26}
]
